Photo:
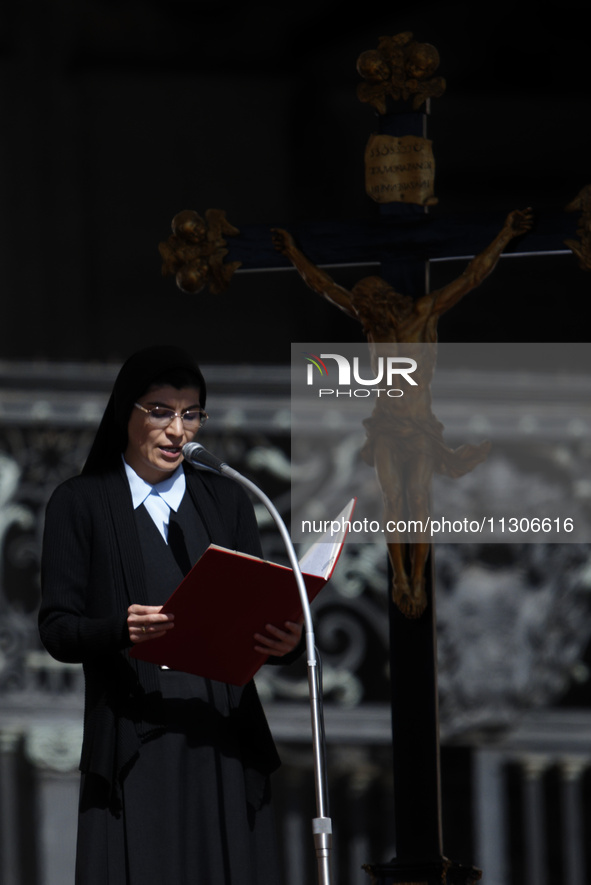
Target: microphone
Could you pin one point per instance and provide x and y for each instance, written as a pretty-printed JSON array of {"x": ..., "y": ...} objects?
[{"x": 199, "y": 457}]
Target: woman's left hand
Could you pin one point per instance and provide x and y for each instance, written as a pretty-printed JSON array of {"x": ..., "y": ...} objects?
[{"x": 279, "y": 641}]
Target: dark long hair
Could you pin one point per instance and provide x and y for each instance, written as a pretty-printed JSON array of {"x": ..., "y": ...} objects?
[{"x": 161, "y": 364}]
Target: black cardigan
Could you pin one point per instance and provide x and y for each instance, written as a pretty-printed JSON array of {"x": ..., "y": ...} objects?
[{"x": 92, "y": 570}]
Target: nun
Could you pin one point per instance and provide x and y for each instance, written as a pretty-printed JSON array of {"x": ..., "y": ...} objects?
[{"x": 174, "y": 767}]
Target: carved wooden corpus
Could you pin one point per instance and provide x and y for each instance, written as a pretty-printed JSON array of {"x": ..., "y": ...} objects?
[
  {"x": 400, "y": 68},
  {"x": 405, "y": 440},
  {"x": 582, "y": 247},
  {"x": 196, "y": 249}
]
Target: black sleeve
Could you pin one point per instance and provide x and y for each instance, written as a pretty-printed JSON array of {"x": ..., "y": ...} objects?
[{"x": 74, "y": 626}]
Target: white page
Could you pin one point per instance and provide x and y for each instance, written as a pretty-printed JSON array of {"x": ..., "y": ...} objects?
[{"x": 320, "y": 559}]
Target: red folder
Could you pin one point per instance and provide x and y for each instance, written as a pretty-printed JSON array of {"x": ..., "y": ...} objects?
[{"x": 229, "y": 596}]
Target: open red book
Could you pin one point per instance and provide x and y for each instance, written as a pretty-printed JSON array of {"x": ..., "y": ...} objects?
[{"x": 229, "y": 596}]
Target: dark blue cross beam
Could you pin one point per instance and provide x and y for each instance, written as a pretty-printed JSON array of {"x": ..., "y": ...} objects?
[{"x": 423, "y": 238}]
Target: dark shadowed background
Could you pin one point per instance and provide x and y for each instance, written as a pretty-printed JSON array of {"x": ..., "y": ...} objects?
[{"x": 115, "y": 116}]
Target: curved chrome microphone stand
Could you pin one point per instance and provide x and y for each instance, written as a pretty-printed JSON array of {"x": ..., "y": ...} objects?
[{"x": 199, "y": 457}]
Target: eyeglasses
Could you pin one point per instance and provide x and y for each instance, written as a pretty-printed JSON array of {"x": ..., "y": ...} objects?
[{"x": 159, "y": 416}]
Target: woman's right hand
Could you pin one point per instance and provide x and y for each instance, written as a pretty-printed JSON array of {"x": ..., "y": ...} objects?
[{"x": 146, "y": 622}]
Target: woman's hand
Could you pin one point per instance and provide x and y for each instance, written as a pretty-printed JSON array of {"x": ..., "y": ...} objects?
[
  {"x": 145, "y": 622},
  {"x": 279, "y": 641}
]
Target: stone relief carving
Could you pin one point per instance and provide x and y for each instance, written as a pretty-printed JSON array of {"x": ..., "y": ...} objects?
[
  {"x": 513, "y": 621},
  {"x": 15, "y": 627},
  {"x": 54, "y": 747}
]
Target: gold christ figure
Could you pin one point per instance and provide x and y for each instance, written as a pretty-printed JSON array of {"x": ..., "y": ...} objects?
[{"x": 404, "y": 439}]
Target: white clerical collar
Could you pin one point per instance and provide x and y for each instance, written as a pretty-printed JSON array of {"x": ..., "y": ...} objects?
[{"x": 170, "y": 491}]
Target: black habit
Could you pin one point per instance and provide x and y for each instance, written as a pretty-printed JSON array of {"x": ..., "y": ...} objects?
[{"x": 93, "y": 569}]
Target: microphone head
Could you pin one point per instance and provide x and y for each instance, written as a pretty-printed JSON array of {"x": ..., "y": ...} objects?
[
  {"x": 191, "y": 449},
  {"x": 199, "y": 457}
]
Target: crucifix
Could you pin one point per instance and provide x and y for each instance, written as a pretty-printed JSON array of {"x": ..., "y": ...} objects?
[
  {"x": 396, "y": 306},
  {"x": 405, "y": 443}
]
